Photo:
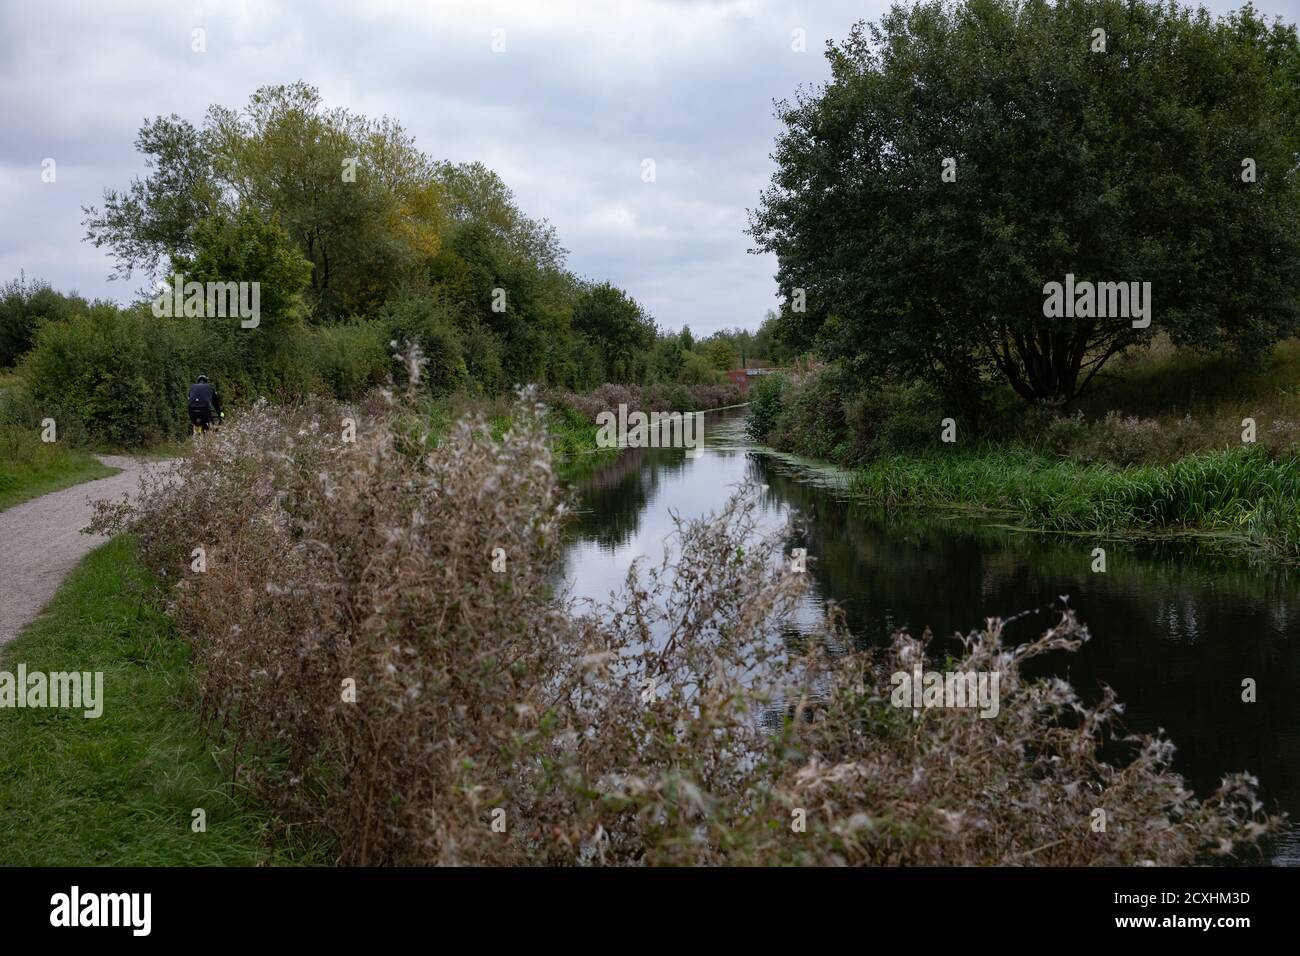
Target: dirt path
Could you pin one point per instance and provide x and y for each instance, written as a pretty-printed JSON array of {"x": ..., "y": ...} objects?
[{"x": 41, "y": 541}]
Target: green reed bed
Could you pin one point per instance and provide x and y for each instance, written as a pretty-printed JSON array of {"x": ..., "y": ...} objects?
[{"x": 1243, "y": 493}]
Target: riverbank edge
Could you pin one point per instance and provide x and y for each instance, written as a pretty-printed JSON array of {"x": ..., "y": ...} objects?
[{"x": 855, "y": 484}]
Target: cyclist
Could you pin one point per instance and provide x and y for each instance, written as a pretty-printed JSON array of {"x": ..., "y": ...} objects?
[{"x": 204, "y": 403}]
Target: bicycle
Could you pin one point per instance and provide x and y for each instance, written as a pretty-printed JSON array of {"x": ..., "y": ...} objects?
[{"x": 198, "y": 429}]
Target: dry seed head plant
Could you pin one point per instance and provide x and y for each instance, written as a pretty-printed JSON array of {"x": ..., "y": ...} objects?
[{"x": 685, "y": 722}]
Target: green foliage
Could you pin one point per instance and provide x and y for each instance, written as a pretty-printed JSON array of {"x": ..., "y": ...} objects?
[
  {"x": 771, "y": 343},
  {"x": 892, "y": 419},
  {"x": 120, "y": 789},
  {"x": 430, "y": 323},
  {"x": 696, "y": 370},
  {"x": 1116, "y": 166},
  {"x": 342, "y": 217},
  {"x": 30, "y": 467},
  {"x": 153, "y": 219},
  {"x": 667, "y": 358},
  {"x": 765, "y": 406},
  {"x": 23, "y": 306},
  {"x": 1243, "y": 494},
  {"x": 483, "y": 361},
  {"x": 720, "y": 354},
  {"x": 815, "y": 412},
  {"x": 246, "y": 248},
  {"x": 351, "y": 358},
  {"x": 111, "y": 373},
  {"x": 618, "y": 328}
]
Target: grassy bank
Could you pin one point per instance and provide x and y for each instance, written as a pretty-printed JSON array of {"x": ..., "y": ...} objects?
[
  {"x": 30, "y": 467},
  {"x": 1243, "y": 496},
  {"x": 120, "y": 789},
  {"x": 1156, "y": 448}
]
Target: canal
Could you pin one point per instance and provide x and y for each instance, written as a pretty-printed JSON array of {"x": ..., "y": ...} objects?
[{"x": 1175, "y": 628}]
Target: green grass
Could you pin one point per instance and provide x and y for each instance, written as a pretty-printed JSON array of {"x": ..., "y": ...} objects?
[
  {"x": 573, "y": 442},
  {"x": 120, "y": 789},
  {"x": 1163, "y": 382},
  {"x": 573, "y": 438},
  {"x": 30, "y": 468},
  {"x": 1242, "y": 494}
]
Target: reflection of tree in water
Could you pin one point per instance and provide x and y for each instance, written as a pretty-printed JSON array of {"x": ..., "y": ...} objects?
[
  {"x": 855, "y": 560},
  {"x": 1175, "y": 628},
  {"x": 613, "y": 498}
]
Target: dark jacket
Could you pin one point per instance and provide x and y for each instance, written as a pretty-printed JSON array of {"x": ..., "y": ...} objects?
[{"x": 204, "y": 397}]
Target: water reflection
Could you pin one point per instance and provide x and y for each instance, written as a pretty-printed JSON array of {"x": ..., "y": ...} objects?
[{"x": 1175, "y": 630}]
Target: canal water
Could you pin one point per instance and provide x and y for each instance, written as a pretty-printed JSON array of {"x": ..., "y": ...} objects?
[{"x": 1175, "y": 628}]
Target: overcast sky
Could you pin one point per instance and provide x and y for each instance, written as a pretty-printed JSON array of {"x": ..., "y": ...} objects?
[{"x": 582, "y": 94}]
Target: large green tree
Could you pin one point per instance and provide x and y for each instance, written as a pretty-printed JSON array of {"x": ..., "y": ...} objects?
[
  {"x": 1115, "y": 164},
  {"x": 618, "y": 327},
  {"x": 354, "y": 195},
  {"x": 384, "y": 231}
]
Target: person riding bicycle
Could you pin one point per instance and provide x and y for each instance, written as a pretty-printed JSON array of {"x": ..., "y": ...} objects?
[{"x": 204, "y": 403}]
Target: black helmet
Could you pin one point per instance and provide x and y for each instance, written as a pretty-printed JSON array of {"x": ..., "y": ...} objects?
[{"x": 202, "y": 378}]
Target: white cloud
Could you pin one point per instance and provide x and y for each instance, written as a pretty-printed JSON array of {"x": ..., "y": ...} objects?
[{"x": 584, "y": 92}]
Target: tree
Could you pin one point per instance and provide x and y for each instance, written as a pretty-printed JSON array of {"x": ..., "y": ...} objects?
[
  {"x": 354, "y": 194},
  {"x": 245, "y": 248},
  {"x": 1117, "y": 165},
  {"x": 475, "y": 193},
  {"x": 23, "y": 306},
  {"x": 356, "y": 197},
  {"x": 154, "y": 218},
  {"x": 719, "y": 353},
  {"x": 619, "y": 328},
  {"x": 770, "y": 341}
]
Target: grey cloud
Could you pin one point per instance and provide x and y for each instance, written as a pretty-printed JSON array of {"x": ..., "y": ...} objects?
[{"x": 582, "y": 94}]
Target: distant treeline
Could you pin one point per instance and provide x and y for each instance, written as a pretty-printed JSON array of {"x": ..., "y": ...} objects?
[{"x": 359, "y": 243}]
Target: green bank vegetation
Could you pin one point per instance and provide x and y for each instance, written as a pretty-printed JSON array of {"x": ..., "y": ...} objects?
[
  {"x": 1178, "y": 467},
  {"x": 121, "y": 789},
  {"x": 30, "y": 467},
  {"x": 918, "y": 287},
  {"x": 360, "y": 243}
]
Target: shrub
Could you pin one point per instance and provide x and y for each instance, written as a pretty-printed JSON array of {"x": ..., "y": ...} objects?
[
  {"x": 349, "y": 359},
  {"x": 668, "y": 398},
  {"x": 765, "y": 406},
  {"x": 1060, "y": 434},
  {"x": 814, "y": 422},
  {"x": 908, "y": 423},
  {"x": 696, "y": 370},
  {"x": 652, "y": 398},
  {"x": 23, "y": 306},
  {"x": 17, "y": 407},
  {"x": 483, "y": 361},
  {"x": 110, "y": 372},
  {"x": 373, "y": 672},
  {"x": 431, "y": 323}
]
